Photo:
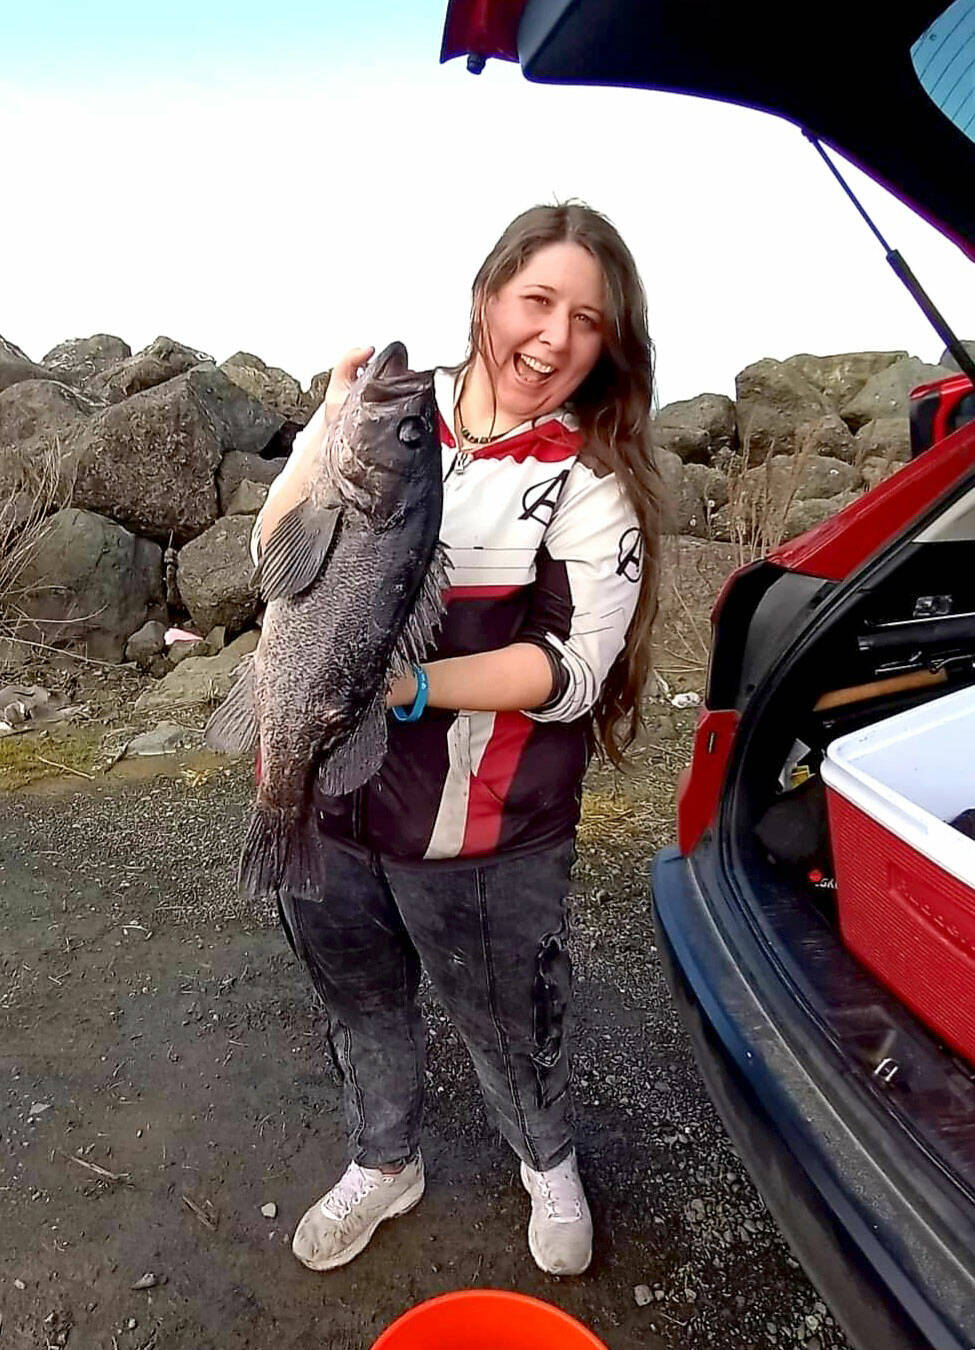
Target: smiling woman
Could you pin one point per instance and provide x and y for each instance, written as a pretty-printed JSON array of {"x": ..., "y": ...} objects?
[{"x": 456, "y": 854}]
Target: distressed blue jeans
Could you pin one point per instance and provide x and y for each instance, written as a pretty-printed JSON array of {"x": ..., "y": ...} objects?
[{"x": 491, "y": 935}]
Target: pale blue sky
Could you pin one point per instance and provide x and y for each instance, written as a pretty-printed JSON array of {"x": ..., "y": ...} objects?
[{"x": 296, "y": 179}]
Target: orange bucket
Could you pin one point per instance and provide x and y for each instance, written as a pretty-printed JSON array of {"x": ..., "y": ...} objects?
[{"x": 486, "y": 1319}]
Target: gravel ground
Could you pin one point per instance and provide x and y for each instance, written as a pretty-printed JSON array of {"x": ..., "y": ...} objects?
[{"x": 165, "y": 1076}]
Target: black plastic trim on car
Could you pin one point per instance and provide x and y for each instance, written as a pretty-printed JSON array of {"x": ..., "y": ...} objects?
[
  {"x": 729, "y": 629},
  {"x": 817, "y": 1113},
  {"x": 922, "y": 412}
]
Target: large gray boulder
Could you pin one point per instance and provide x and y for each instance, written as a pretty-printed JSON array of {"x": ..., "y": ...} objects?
[
  {"x": 782, "y": 480},
  {"x": 773, "y": 401},
  {"x": 828, "y": 435},
  {"x": 840, "y": 378},
  {"x": 41, "y": 425},
  {"x": 16, "y": 365},
  {"x": 767, "y": 502},
  {"x": 9, "y": 351},
  {"x": 671, "y": 470},
  {"x": 703, "y": 491},
  {"x": 887, "y": 394},
  {"x": 33, "y": 411},
  {"x": 273, "y": 387},
  {"x": 811, "y": 511},
  {"x": 889, "y": 437},
  {"x": 698, "y": 428},
  {"x": 151, "y": 462},
  {"x": 162, "y": 360},
  {"x": 822, "y": 476},
  {"x": 89, "y": 585},
  {"x": 238, "y": 467},
  {"x": 215, "y": 576},
  {"x": 80, "y": 359}
]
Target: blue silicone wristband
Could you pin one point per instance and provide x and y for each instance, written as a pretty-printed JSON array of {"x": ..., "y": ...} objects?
[{"x": 420, "y": 702}]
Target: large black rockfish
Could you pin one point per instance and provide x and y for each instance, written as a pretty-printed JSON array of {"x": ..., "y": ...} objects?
[{"x": 353, "y": 578}]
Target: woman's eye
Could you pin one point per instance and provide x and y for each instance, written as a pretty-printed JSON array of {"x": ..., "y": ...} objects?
[
  {"x": 539, "y": 299},
  {"x": 587, "y": 320}
]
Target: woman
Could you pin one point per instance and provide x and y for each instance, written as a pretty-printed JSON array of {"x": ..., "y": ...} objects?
[{"x": 457, "y": 853}]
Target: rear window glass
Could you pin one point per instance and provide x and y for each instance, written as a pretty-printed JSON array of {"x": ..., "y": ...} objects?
[{"x": 944, "y": 59}]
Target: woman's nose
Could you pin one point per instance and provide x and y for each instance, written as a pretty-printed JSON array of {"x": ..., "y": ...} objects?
[{"x": 556, "y": 330}]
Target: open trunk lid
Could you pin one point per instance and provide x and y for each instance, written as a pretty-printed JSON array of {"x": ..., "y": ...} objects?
[{"x": 854, "y": 76}]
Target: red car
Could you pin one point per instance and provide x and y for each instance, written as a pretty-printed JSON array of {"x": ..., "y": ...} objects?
[{"x": 817, "y": 916}]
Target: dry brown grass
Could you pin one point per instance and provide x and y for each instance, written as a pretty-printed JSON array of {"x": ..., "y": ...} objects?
[
  {"x": 759, "y": 502},
  {"x": 31, "y": 490}
]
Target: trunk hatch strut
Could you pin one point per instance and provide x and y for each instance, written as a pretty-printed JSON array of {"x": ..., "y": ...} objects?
[{"x": 966, "y": 363}]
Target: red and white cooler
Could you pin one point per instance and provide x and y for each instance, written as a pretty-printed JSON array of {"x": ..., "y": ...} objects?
[{"x": 905, "y": 878}]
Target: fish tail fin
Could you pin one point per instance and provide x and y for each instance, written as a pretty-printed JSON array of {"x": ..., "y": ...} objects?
[{"x": 282, "y": 852}]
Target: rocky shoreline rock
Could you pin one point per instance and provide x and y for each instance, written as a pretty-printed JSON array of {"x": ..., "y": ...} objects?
[{"x": 162, "y": 458}]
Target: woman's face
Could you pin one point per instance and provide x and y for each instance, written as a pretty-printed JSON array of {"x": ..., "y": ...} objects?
[{"x": 544, "y": 330}]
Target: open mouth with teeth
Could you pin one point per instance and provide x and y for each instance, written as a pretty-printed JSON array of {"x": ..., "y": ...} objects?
[{"x": 530, "y": 369}]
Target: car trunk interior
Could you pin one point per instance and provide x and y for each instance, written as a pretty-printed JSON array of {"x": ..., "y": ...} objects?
[{"x": 818, "y": 684}]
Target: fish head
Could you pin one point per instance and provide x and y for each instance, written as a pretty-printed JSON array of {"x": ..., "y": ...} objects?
[{"x": 387, "y": 434}]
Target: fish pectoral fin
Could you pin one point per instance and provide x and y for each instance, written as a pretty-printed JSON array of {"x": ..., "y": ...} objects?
[
  {"x": 232, "y": 730},
  {"x": 357, "y": 759},
  {"x": 297, "y": 550}
]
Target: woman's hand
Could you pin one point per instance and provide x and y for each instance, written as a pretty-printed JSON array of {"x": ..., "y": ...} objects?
[{"x": 344, "y": 374}]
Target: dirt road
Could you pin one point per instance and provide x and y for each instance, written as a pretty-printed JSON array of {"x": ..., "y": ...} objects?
[{"x": 165, "y": 1076}]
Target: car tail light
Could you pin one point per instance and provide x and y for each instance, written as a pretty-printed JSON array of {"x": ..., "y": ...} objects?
[{"x": 699, "y": 786}]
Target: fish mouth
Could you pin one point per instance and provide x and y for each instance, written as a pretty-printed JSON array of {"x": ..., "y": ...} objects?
[
  {"x": 388, "y": 377},
  {"x": 391, "y": 362}
]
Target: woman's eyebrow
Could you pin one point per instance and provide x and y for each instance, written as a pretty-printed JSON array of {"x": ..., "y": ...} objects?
[{"x": 540, "y": 286}]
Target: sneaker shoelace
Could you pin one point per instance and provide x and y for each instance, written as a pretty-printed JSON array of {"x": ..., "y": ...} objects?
[
  {"x": 351, "y": 1188},
  {"x": 560, "y": 1192}
]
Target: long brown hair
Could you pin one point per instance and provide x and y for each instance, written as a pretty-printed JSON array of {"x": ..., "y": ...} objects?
[{"x": 613, "y": 406}]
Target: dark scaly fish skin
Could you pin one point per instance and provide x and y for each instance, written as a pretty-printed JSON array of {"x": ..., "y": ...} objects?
[{"x": 328, "y": 654}]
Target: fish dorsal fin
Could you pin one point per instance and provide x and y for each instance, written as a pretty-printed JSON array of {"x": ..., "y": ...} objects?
[
  {"x": 297, "y": 550},
  {"x": 232, "y": 730}
]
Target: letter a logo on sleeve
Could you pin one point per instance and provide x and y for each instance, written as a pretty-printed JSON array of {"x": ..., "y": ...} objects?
[
  {"x": 541, "y": 499},
  {"x": 631, "y": 554}
]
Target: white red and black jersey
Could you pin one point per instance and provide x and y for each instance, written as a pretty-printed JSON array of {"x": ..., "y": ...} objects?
[{"x": 544, "y": 547}]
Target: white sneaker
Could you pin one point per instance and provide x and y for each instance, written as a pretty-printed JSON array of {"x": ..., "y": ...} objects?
[
  {"x": 340, "y": 1224},
  {"x": 560, "y": 1228}
]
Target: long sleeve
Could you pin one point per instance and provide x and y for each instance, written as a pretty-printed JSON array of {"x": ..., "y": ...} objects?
[{"x": 585, "y": 591}]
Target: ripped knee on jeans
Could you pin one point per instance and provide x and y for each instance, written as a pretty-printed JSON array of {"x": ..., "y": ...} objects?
[{"x": 551, "y": 995}]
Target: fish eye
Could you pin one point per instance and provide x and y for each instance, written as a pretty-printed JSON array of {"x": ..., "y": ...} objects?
[{"x": 410, "y": 431}]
